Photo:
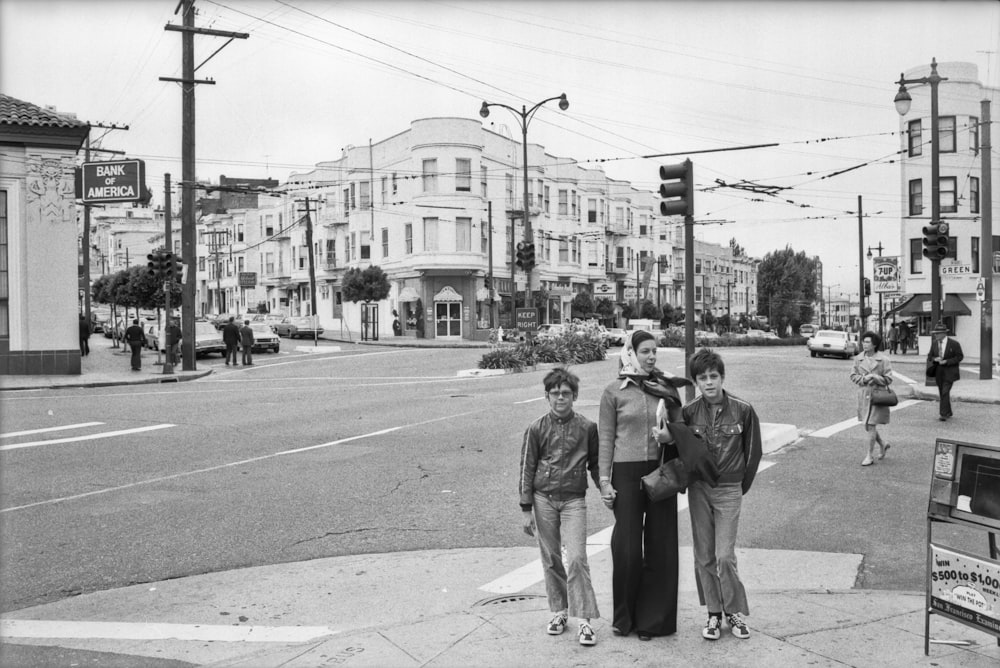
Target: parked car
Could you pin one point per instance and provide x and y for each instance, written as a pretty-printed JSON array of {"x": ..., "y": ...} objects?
[
  {"x": 807, "y": 329},
  {"x": 264, "y": 338},
  {"x": 761, "y": 334},
  {"x": 830, "y": 342},
  {"x": 269, "y": 319},
  {"x": 298, "y": 326},
  {"x": 221, "y": 320},
  {"x": 152, "y": 332},
  {"x": 615, "y": 336},
  {"x": 207, "y": 339},
  {"x": 550, "y": 331}
]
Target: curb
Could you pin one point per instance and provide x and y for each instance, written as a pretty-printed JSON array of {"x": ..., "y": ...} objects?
[{"x": 156, "y": 380}]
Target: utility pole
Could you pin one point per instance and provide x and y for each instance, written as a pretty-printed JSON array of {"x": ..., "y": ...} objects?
[
  {"x": 168, "y": 283},
  {"x": 188, "y": 228},
  {"x": 489, "y": 251},
  {"x": 986, "y": 247},
  {"x": 312, "y": 264},
  {"x": 861, "y": 269}
]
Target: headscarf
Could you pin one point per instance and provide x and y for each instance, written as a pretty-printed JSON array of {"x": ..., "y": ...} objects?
[{"x": 658, "y": 383}]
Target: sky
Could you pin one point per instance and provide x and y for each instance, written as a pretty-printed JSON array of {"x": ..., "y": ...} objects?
[{"x": 643, "y": 78}]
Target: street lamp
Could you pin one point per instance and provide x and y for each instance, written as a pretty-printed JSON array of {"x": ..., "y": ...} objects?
[
  {"x": 661, "y": 264},
  {"x": 902, "y": 102},
  {"x": 524, "y": 117},
  {"x": 879, "y": 249}
]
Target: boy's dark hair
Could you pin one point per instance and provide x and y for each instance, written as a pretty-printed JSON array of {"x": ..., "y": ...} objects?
[
  {"x": 561, "y": 376},
  {"x": 703, "y": 360},
  {"x": 876, "y": 339}
]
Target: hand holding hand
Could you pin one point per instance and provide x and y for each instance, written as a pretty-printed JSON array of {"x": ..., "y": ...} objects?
[
  {"x": 608, "y": 493},
  {"x": 529, "y": 522}
]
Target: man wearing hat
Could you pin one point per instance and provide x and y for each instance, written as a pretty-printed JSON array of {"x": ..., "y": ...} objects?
[{"x": 942, "y": 363}]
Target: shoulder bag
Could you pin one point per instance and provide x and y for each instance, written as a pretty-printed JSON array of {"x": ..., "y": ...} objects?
[{"x": 669, "y": 478}]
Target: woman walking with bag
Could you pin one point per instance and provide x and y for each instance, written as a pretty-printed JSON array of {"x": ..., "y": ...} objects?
[{"x": 872, "y": 373}]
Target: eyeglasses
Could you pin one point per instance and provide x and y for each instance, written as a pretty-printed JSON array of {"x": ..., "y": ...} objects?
[{"x": 560, "y": 395}]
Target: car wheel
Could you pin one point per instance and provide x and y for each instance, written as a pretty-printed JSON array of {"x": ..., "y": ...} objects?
[{"x": 813, "y": 353}]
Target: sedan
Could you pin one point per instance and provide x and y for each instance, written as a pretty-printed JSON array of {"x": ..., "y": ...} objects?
[
  {"x": 615, "y": 336},
  {"x": 264, "y": 338},
  {"x": 831, "y": 342},
  {"x": 295, "y": 327}
]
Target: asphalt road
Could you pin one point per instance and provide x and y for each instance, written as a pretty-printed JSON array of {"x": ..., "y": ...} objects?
[{"x": 311, "y": 455}]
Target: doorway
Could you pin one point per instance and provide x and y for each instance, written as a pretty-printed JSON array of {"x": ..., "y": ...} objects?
[{"x": 448, "y": 320}]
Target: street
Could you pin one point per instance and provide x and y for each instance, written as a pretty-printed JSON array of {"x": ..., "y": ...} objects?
[{"x": 375, "y": 450}]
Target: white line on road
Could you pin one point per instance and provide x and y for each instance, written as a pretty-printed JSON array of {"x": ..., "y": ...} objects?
[
  {"x": 88, "y": 437},
  {"x": 827, "y": 432},
  {"x": 241, "y": 462},
  {"x": 527, "y": 575},
  {"x": 51, "y": 629},
  {"x": 47, "y": 429}
]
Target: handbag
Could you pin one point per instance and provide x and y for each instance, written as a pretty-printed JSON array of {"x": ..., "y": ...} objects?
[
  {"x": 669, "y": 478},
  {"x": 884, "y": 396}
]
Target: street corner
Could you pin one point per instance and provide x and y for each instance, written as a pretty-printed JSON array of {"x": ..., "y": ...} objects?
[{"x": 775, "y": 436}]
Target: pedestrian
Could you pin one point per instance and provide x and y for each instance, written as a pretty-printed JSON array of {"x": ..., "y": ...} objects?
[
  {"x": 893, "y": 337},
  {"x": 871, "y": 369},
  {"x": 644, "y": 540},
  {"x": 135, "y": 337},
  {"x": 942, "y": 364},
  {"x": 730, "y": 427},
  {"x": 173, "y": 341},
  {"x": 246, "y": 342},
  {"x": 84, "y": 336},
  {"x": 397, "y": 329},
  {"x": 559, "y": 449},
  {"x": 904, "y": 337},
  {"x": 231, "y": 337}
]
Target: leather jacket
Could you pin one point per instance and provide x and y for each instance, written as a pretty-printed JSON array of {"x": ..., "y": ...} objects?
[
  {"x": 555, "y": 457},
  {"x": 732, "y": 431}
]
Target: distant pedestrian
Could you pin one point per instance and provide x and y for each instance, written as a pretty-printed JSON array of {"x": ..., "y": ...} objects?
[
  {"x": 397, "y": 329},
  {"x": 893, "y": 338},
  {"x": 942, "y": 364},
  {"x": 135, "y": 337},
  {"x": 246, "y": 342},
  {"x": 559, "y": 449},
  {"x": 173, "y": 341},
  {"x": 871, "y": 369},
  {"x": 85, "y": 330},
  {"x": 732, "y": 430},
  {"x": 231, "y": 337},
  {"x": 904, "y": 338}
]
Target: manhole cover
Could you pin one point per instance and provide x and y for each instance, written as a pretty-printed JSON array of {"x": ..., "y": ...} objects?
[{"x": 509, "y": 598}]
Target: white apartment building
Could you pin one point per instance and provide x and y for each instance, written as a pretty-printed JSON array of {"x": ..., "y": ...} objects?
[{"x": 961, "y": 179}]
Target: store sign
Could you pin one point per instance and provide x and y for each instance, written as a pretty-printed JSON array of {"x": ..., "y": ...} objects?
[
  {"x": 965, "y": 588},
  {"x": 886, "y": 275},
  {"x": 606, "y": 290},
  {"x": 248, "y": 279},
  {"x": 629, "y": 294},
  {"x": 112, "y": 181},
  {"x": 956, "y": 269}
]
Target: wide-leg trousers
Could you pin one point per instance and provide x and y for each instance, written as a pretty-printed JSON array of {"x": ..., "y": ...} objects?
[
  {"x": 715, "y": 518},
  {"x": 562, "y": 524}
]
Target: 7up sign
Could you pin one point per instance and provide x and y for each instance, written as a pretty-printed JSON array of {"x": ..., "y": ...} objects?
[{"x": 112, "y": 181}]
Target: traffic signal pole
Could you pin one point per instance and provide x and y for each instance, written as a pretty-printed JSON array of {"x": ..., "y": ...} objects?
[
  {"x": 986, "y": 246},
  {"x": 168, "y": 283},
  {"x": 683, "y": 187}
]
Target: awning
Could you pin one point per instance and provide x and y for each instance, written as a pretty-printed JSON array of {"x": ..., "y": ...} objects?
[
  {"x": 408, "y": 294},
  {"x": 921, "y": 305}
]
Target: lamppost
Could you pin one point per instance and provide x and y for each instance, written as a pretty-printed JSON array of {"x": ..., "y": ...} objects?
[
  {"x": 661, "y": 264},
  {"x": 879, "y": 249},
  {"x": 524, "y": 117},
  {"x": 729, "y": 305},
  {"x": 902, "y": 102}
]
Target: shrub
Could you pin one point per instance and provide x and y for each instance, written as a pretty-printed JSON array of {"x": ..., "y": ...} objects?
[{"x": 580, "y": 343}]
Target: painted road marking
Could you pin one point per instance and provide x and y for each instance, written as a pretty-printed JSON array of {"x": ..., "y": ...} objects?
[
  {"x": 37, "y": 628},
  {"x": 827, "y": 432},
  {"x": 48, "y": 429},
  {"x": 241, "y": 462},
  {"x": 88, "y": 437},
  {"x": 528, "y": 575}
]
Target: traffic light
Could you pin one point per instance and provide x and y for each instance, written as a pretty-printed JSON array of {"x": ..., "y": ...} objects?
[
  {"x": 487, "y": 283},
  {"x": 179, "y": 268},
  {"x": 936, "y": 241},
  {"x": 167, "y": 265},
  {"x": 521, "y": 250},
  {"x": 868, "y": 287},
  {"x": 529, "y": 257},
  {"x": 677, "y": 189},
  {"x": 155, "y": 264}
]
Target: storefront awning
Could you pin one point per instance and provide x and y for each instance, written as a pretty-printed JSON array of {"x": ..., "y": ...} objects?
[
  {"x": 921, "y": 305},
  {"x": 408, "y": 294}
]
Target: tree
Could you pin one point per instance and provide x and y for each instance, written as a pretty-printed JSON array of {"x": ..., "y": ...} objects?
[
  {"x": 605, "y": 309},
  {"x": 647, "y": 309},
  {"x": 582, "y": 305},
  {"x": 787, "y": 288},
  {"x": 365, "y": 285}
]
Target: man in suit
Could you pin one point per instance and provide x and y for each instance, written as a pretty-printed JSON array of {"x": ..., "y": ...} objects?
[
  {"x": 943, "y": 359},
  {"x": 231, "y": 337},
  {"x": 134, "y": 336}
]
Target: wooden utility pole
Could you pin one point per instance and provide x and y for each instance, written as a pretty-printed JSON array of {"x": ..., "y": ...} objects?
[
  {"x": 188, "y": 223},
  {"x": 986, "y": 247},
  {"x": 168, "y": 283},
  {"x": 861, "y": 270},
  {"x": 312, "y": 269}
]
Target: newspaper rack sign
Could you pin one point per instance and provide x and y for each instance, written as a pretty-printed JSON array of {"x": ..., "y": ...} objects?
[{"x": 965, "y": 588}]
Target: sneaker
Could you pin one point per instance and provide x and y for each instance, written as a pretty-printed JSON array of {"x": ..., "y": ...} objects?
[
  {"x": 557, "y": 625},
  {"x": 738, "y": 626},
  {"x": 711, "y": 630},
  {"x": 587, "y": 636}
]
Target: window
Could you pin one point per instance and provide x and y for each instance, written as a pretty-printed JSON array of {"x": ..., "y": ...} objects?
[
  {"x": 952, "y": 248},
  {"x": 482, "y": 180},
  {"x": 239, "y": 232},
  {"x": 366, "y": 195},
  {"x": 697, "y": 293},
  {"x": 545, "y": 202},
  {"x": 509, "y": 187},
  {"x": 974, "y": 246},
  {"x": 915, "y": 138},
  {"x": 347, "y": 201},
  {"x": 385, "y": 242},
  {"x": 697, "y": 265},
  {"x": 354, "y": 246},
  {"x": 563, "y": 251},
  {"x": 395, "y": 185},
  {"x": 484, "y": 240},
  {"x": 916, "y": 197},
  {"x": 408, "y": 238},
  {"x": 538, "y": 196},
  {"x": 430, "y": 167},
  {"x": 268, "y": 264},
  {"x": 385, "y": 186},
  {"x": 946, "y": 134},
  {"x": 463, "y": 234},
  {"x": 974, "y": 134},
  {"x": 331, "y": 253},
  {"x": 574, "y": 202},
  {"x": 591, "y": 210},
  {"x": 620, "y": 257},
  {"x": 949, "y": 203},
  {"x": 430, "y": 234},
  {"x": 463, "y": 175},
  {"x": 563, "y": 204},
  {"x": 4, "y": 275},
  {"x": 353, "y": 201},
  {"x": 973, "y": 194},
  {"x": 619, "y": 216}
]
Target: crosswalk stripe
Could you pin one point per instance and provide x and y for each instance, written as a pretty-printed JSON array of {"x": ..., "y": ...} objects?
[
  {"x": 52, "y": 629},
  {"x": 88, "y": 437},
  {"x": 48, "y": 429}
]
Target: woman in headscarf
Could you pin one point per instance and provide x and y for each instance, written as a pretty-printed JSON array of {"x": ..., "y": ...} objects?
[{"x": 644, "y": 540}]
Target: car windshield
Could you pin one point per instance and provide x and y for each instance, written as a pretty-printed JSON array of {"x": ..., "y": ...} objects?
[
  {"x": 261, "y": 328},
  {"x": 302, "y": 322}
]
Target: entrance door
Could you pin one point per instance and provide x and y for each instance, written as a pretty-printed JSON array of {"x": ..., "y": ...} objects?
[
  {"x": 448, "y": 319},
  {"x": 369, "y": 322}
]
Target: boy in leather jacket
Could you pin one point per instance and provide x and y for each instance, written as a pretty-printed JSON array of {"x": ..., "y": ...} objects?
[{"x": 558, "y": 451}]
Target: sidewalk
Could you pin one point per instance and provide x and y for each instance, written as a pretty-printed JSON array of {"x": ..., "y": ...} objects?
[{"x": 970, "y": 389}]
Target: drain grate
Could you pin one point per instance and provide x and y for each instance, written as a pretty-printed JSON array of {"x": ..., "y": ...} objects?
[{"x": 510, "y": 598}]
